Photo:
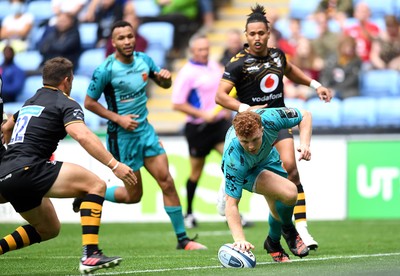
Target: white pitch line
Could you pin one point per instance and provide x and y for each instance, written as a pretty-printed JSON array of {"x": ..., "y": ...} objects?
[
  {"x": 219, "y": 266},
  {"x": 258, "y": 264}
]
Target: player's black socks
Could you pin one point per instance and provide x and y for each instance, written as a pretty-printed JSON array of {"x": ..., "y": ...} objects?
[{"x": 190, "y": 190}]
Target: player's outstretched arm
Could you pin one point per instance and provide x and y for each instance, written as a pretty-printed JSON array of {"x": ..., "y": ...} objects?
[
  {"x": 305, "y": 129},
  {"x": 235, "y": 224},
  {"x": 92, "y": 144},
  {"x": 296, "y": 75}
]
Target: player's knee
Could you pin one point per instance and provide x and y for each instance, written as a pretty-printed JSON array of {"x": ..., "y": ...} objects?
[
  {"x": 98, "y": 187},
  {"x": 168, "y": 187},
  {"x": 133, "y": 198},
  {"x": 50, "y": 231},
  {"x": 290, "y": 197}
]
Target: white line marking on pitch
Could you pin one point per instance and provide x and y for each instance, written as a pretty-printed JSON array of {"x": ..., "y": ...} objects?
[{"x": 258, "y": 263}]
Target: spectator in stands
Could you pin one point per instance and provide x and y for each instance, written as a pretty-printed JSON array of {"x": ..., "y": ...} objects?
[
  {"x": 74, "y": 7},
  {"x": 310, "y": 63},
  {"x": 338, "y": 10},
  {"x": 288, "y": 46},
  {"x": 364, "y": 32},
  {"x": 16, "y": 27},
  {"x": 385, "y": 52},
  {"x": 273, "y": 17},
  {"x": 140, "y": 41},
  {"x": 207, "y": 14},
  {"x": 184, "y": 15},
  {"x": 234, "y": 44},
  {"x": 326, "y": 43},
  {"x": 341, "y": 71},
  {"x": 13, "y": 76},
  {"x": 108, "y": 12},
  {"x": 63, "y": 39},
  {"x": 94, "y": 5}
]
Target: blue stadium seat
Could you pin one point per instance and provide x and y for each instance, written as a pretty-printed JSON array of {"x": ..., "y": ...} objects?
[
  {"x": 396, "y": 8},
  {"x": 359, "y": 112},
  {"x": 32, "y": 84},
  {"x": 324, "y": 115},
  {"x": 146, "y": 8},
  {"x": 28, "y": 60},
  {"x": 309, "y": 29},
  {"x": 388, "y": 112},
  {"x": 300, "y": 10},
  {"x": 380, "y": 83},
  {"x": 4, "y": 9},
  {"x": 88, "y": 34},
  {"x": 159, "y": 36},
  {"x": 89, "y": 60},
  {"x": 41, "y": 10},
  {"x": 282, "y": 25},
  {"x": 79, "y": 87},
  {"x": 35, "y": 35}
]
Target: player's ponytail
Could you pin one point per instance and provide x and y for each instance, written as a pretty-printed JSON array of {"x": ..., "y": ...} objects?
[{"x": 257, "y": 15}]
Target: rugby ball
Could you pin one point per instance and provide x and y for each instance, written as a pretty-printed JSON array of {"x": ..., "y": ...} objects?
[{"x": 232, "y": 257}]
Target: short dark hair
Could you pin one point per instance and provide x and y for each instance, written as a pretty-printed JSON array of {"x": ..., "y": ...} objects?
[
  {"x": 257, "y": 15},
  {"x": 120, "y": 24},
  {"x": 55, "y": 70}
]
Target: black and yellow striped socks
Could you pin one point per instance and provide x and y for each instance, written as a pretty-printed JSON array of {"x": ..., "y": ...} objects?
[
  {"x": 300, "y": 208},
  {"x": 21, "y": 237},
  {"x": 91, "y": 209}
]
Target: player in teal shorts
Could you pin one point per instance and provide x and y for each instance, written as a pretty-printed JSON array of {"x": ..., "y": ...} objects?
[
  {"x": 123, "y": 78},
  {"x": 251, "y": 162}
]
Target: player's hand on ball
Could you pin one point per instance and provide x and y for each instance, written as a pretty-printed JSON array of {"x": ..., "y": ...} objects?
[{"x": 243, "y": 245}]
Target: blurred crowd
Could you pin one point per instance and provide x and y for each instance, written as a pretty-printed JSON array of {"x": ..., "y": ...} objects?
[
  {"x": 335, "y": 43},
  {"x": 34, "y": 31}
]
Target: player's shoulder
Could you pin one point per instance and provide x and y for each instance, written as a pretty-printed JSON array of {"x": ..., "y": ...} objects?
[
  {"x": 239, "y": 57},
  {"x": 141, "y": 56}
]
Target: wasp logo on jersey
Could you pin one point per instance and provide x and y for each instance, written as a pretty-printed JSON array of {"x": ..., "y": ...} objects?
[
  {"x": 269, "y": 83},
  {"x": 236, "y": 58}
]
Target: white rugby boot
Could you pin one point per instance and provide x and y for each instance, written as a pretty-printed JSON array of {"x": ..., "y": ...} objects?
[{"x": 308, "y": 240}]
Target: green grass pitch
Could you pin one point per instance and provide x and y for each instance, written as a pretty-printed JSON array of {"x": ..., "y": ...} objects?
[{"x": 360, "y": 247}]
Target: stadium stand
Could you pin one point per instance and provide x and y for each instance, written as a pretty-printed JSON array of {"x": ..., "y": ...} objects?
[
  {"x": 41, "y": 10},
  {"x": 388, "y": 112},
  {"x": 32, "y": 84},
  {"x": 159, "y": 36},
  {"x": 300, "y": 10},
  {"x": 325, "y": 115},
  {"x": 378, "y": 8},
  {"x": 88, "y": 34},
  {"x": 146, "y": 8},
  {"x": 359, "y": 112},
  {"x": 4, "y": 9},
  {"x": 89, "y": 60},
  {"x": 28, "y": 60},
  {"x": 380, "y": 83}
]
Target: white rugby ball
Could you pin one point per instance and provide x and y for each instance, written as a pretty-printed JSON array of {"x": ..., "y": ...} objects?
[{"x": 232, "y": 257}]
